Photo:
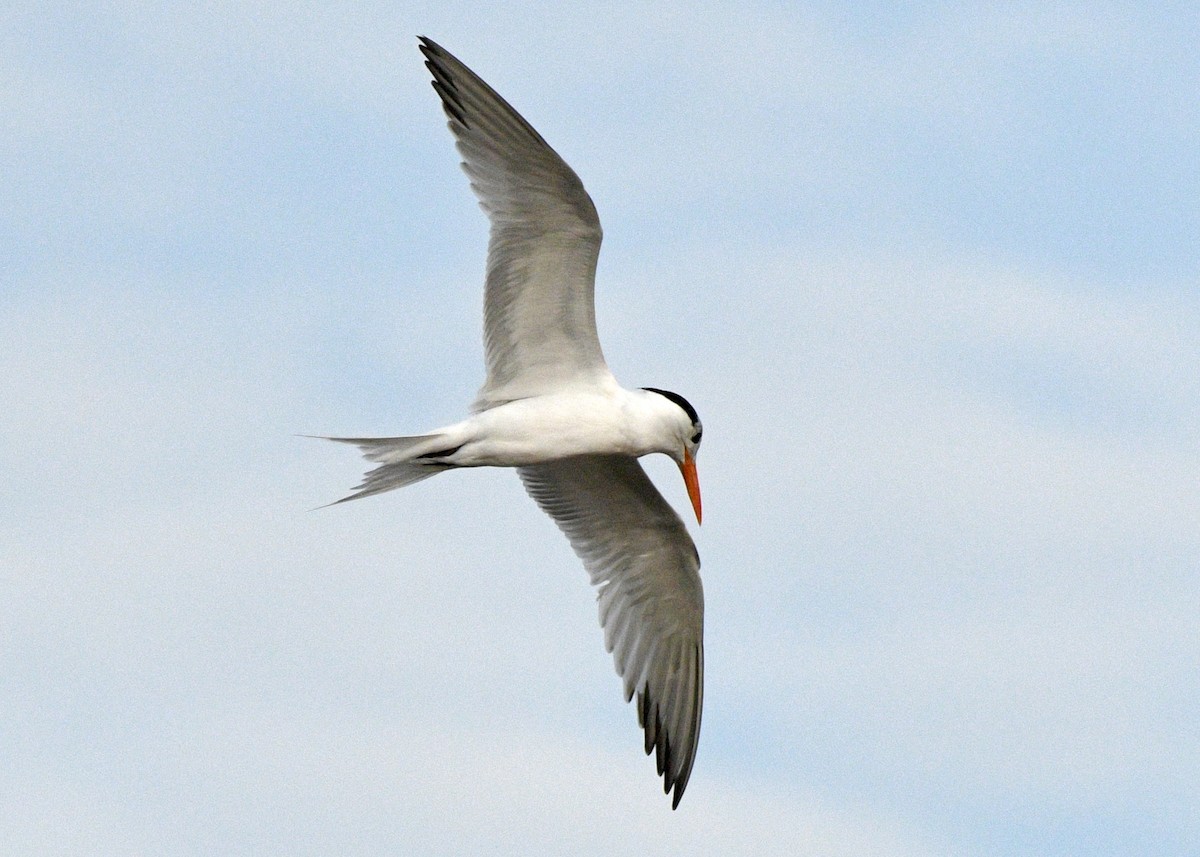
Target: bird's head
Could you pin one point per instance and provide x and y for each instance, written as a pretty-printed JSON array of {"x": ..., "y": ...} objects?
[{"x": 689, "y": 434}]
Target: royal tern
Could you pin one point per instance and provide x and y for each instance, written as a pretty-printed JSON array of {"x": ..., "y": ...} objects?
[{"x": 551, "y": 408}]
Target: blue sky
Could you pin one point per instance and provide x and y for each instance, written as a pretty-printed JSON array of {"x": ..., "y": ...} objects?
[{"x": 929, "y": 275}]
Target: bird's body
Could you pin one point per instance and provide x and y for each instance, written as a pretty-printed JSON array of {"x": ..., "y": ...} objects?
[
  {"x": 551, "y": 409},
  {"x": 569, "y": 423}
]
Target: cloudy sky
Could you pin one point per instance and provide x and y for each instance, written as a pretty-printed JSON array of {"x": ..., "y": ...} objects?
[{"x": 929, "y": 275}]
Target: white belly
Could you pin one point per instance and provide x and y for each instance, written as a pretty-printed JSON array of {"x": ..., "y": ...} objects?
[{"x": 545, "y": 428}]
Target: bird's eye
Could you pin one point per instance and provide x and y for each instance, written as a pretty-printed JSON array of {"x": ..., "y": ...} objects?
[{"x": 696, "y": 436}]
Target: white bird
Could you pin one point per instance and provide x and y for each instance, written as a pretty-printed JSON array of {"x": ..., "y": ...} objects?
[{"x": 551, "y": 408}]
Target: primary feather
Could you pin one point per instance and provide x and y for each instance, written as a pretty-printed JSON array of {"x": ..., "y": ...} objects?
[{"x": 539, "y": 314}]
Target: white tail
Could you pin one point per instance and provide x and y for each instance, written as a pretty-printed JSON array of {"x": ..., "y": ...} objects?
[{"x": 402, "y": 461}]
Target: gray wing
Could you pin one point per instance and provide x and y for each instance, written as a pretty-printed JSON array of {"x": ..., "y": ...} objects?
[
  {"x": 539, "y": 315},
  {"x": 646, "y": 568}
]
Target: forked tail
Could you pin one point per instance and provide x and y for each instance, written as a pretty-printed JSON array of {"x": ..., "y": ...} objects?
[{"x": 402, "y": 461}]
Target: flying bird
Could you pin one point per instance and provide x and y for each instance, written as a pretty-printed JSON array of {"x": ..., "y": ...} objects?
[{"x": 551, "y": 408}]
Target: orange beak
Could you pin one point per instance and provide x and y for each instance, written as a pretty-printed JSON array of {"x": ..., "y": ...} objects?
[{"x": 692, "y": 481}]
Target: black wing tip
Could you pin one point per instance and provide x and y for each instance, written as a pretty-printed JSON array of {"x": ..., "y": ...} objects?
[
  {"x": 450, "y": 103},
  {"x": 659, "y": 743},
  {"x": 443, "y": 80},
  {"x": 435, "y": 55},
  {"x": 668, "y": 757}
]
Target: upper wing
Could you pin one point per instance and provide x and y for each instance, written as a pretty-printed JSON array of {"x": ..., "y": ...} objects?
[
  {"x": 539, "y": 315},
  {"x": 639, "y": 554}
]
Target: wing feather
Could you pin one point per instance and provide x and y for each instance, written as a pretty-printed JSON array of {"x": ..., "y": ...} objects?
[
  {"x": 651, "y": 603},
  {"x": 539, "y": 313}
]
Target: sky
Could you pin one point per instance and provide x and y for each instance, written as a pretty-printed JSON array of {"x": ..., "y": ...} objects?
[{"x": 928, "y": 272}]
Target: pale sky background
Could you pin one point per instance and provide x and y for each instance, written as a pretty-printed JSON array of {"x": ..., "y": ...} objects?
[{"x": 930, "y": 275}]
